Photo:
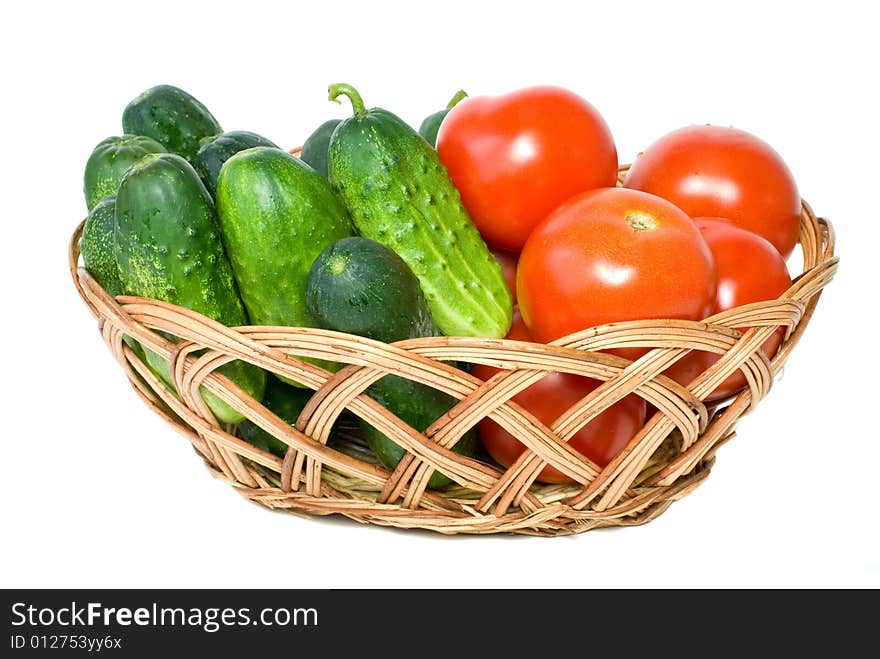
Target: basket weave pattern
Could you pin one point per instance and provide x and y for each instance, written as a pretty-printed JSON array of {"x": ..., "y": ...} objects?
[{"x": 669, "y": 457}]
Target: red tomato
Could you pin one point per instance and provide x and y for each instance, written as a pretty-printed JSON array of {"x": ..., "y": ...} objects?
[
  {"x": 516, "y": 157},
  {"x": 749, "y": 270},
  {"x": 507, "y": 261},
  {"x": 723, "y": 172},
  {"x": 613, "y": 255},
  {"x": 600, "y": 440}
]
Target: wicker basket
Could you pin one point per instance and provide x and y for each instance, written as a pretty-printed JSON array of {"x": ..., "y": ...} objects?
[{"x": 665, "y": 461}]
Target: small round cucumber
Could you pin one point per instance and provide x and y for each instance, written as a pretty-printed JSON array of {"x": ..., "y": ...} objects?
[{"x": 359, "y": 286}]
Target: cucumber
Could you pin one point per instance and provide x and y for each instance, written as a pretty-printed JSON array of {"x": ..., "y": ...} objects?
[
  {"x": 99, "y": 255},
  {"x": 399, "y": 194},
  {"x": 109, "y": 160},
  {"x": 216, "y": 150},
  {"x": 172, "y": 117},
  {"x": 359, "y": 286},
  {"x": 276, "y": 215},
  {"x": 314, "y": 151},
  {"x": 168, "y": 247},
  {"x": 97, "y": 248},
  {"x": 431, "y": 124},
  {"x": 284, "y": 401}
]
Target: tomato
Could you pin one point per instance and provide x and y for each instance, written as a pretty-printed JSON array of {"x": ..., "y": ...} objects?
[
  {"x": 724, "y": 172},
  {"x": 516, "y": 157},
  {"x": 600, "y": 440},
  {"x": 749, "y": 270},
  {"x": 613, "y": 255},
  {"x": 507, "y": 261}
]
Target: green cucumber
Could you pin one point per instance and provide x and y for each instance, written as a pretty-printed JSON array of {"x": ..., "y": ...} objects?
[
  {"x": 276, "y": 215},
  {"x": 399, "y": 194},
  {"x": 99, "y": 255},
  {"x": 285, "y": 402},
  {"x": 217, "y": 149},
  {"x": 359, "y": 286},
  {"x": 431, "y": 124},
  {"x": 96, "y": 246},
  {"x": 314, "y": 151},
  {"x": 168, "y": 247},
  {"x": 172, "y": 117},
  {"x": 109, "y": 160}
]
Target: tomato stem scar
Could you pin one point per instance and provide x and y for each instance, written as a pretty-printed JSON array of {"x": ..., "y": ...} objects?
[{"x": 640, "y": 221}]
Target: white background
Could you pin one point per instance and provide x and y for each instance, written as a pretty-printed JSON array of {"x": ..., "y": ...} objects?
[{"x": 96, "y": 491}]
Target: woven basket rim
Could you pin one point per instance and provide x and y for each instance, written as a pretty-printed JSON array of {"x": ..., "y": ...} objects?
[{"x": 316, "y": 479}]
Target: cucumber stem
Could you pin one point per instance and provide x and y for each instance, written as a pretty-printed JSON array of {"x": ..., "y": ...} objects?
[
  {"x": 460, "y": 95},
  {"x": 357, "y": 103}
]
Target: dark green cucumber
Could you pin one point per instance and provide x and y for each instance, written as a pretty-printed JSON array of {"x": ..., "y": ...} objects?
[
  {"x": 276, "y": 214},
  {"x": 360, "y": 286},
  {"x": 172, "y": 117},
  {"x": 431, "y": 124},
  {"x": 109, "y": 160},
  {"x": 216, "y": 150},
  {"x": 314, "y": 151},
  {"x": 168, "y": 247},
  {"x": 285, "y": 402},
  {"x": 399, "y": 194}
]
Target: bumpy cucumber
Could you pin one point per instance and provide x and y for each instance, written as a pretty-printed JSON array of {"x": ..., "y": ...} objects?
[
  {"x": 216, "y": 150},
  {"x": 109, "y": 160},
  {"x": 172, "y": 117},
  {"x": 96, "y": 246},
  {"x": 399, "y": 194},
  {"x": 168, "y": 247},
  {"x": 359, "y": 286},
  {"x": 99, "y": 255},
  {"x": 276, "y": 214},
  {"x": 431, "y": 124}
]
